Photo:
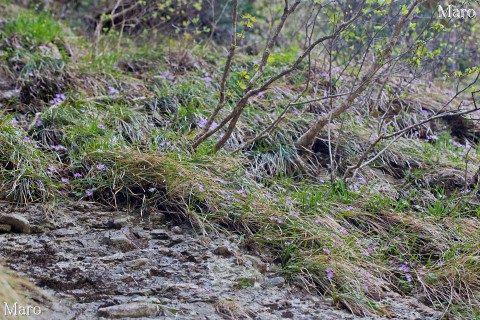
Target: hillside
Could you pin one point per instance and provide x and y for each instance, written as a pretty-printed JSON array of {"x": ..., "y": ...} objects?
[{"x": 139, "y": 178}]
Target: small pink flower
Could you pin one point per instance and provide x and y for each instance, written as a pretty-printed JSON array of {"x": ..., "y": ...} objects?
[
  {"x": 294, "y": 214},
  {"x": 112, "y": 91},
  {"x": 330, "y": 273},
  {"x": 242, "y": 193},
  {"x": 409, "y": 277}
]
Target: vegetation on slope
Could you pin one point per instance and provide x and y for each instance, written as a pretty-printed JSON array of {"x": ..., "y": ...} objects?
[{"x": 117, "y": 127}]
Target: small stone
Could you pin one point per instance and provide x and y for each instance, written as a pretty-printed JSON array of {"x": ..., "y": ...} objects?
[
  {"x": 16, "y": 221},
  {"x": 119, "y": 223},
  {"x": 142, "y": 234},
  {"x": 157, "y": 218},
  {"x": 175, "y": 240},
  {"x": 274, "y": 282},
  {"x": 135, "y": 264},
  {"x": 129, "y": 310},
  {"x": 113, "y": 257},
  {"x": 5, "y": 228},
  {"x": 223, "y": 251},
  {"x": 177, "y": 230},
  {"x": 159, "y": 234},
  {"x": 121, "y": 241},
  {"x": 256, "y": 262}
]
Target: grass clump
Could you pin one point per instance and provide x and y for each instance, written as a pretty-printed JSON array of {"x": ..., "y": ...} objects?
[
  {"x": 27, "y": 172},
  {"x": 35, "y": 28},
  {"x": 106, "y": 132}
]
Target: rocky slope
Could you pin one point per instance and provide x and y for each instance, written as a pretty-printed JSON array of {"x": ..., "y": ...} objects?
[{"x": 95, "y": 262}]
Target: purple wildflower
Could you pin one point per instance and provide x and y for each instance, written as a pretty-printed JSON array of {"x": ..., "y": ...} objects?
[
  {"x": 225, "y": 193},
  {"x": 58, "y": 99},
  {"x": 200, "y": 188},
  {"x": 293, "y": 214},
  {"x": 343, "y": 230},
  {"x": 404, "y": 267},
  {"x": 349, "y": 208},
  {"x": 100, "y": 166},
  {"x": 39, "y": 123},
  {"x": 65, "y": 180},
  {"x": 89, "y": 192},
  {"x": 27, "y": 140},
  {"x": 336, "y": 69},
  {"x": 324, "y": 74},
  {"x": 242, "y": 193},
  {"x": 409, "y": 277},
  {"x": 77, "y": 175},
  {"x": 330, "y": 273},
  {"x": 203, "y": 122},
  {"x": 326, "y": 250},
  {"x": 58, "y": 147},
  {"x": 100, "y": 126},
  {"x": 112, "y": 91},
  {"x": 297, "y": 112},
  {"x": 456, "y": 144},
  {"x": 44, "y": 48},
  {"x": 278, "y": 220},
  {"x": 14, "y": 121}
]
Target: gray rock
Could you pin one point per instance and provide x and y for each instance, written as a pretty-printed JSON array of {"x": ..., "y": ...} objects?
[
  {"x": 139, "y": 232},
  {"x": 113, "y": 257},
  {"x": 274, "y": 282},
  {"x": 159, "y": 234},
  {"x": 120, "y": 240},
  {"x": 129, "y": 310},
  {"x": 223, "y": 251},
  {"x": 137, "y": 263},
  {"x": 4, "y": 228},
  {"x": 256, "y": 262},
  {"x": 177, "y": 230},
  {"x": 119, "y": 223},
  {"x": 67, "y": 232},
  {"x": 16, "y": 221},
  {"x": 175, "y": 240}
]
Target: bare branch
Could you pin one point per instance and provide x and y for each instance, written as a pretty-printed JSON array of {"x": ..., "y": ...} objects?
[{"x": 308, "y": 138}]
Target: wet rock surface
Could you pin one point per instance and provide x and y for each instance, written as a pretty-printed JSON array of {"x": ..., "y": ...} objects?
[{"x": 147, "y": 269}]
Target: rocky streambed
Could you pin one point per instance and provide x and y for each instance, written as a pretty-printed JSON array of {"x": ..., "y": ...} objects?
[{"x": 97, "y": 263}]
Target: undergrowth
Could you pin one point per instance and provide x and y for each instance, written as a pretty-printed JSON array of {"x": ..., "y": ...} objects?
[{"x": 121, "y": 137}]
